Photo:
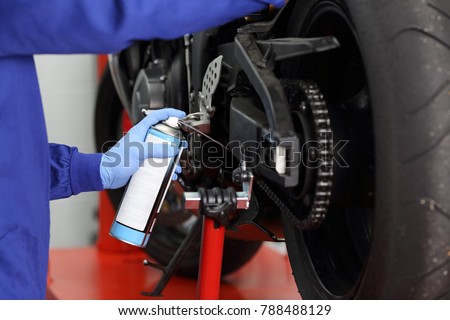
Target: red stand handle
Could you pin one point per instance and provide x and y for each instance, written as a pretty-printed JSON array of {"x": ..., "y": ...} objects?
[{"x": 209, "y": 273}]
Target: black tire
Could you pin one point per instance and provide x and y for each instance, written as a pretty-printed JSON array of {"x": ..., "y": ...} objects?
[
  {"x": 165, "y": 240},
  {"x": 405, "y": 53}
]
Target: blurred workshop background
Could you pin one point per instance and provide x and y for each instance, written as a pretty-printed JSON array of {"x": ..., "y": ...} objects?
[{"x": 68, "y": 87}]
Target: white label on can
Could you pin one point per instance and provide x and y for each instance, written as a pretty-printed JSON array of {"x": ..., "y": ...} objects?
[{"x": 141, "y": 193}]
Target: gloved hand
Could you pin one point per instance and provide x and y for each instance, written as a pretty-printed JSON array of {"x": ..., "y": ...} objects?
[{"x": 120, "y": 162}]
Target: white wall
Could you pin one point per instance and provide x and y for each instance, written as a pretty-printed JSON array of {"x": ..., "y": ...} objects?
[{"x": 68, "y": 87}]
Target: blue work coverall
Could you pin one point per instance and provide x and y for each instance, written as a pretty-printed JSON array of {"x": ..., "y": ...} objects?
[{"x": 32, "y": 171}]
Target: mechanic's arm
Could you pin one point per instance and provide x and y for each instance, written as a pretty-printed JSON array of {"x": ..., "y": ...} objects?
[
  {"x": 73, "y": 172},
  {"x": 100, "y": 26}
]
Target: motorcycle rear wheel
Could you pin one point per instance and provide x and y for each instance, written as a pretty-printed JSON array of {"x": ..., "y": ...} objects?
[{"x": 398, "y": 246}]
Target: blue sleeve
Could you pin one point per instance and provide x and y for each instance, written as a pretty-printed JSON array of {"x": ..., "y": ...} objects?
[
  {"x": 103, "y": 26},
  {"x": 72, "y": 172}
]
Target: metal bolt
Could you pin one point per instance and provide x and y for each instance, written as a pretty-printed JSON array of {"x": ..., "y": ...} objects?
[{"x": 303, "y": 107}]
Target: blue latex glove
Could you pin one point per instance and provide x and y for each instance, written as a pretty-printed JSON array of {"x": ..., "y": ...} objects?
[{"x": 125, "y": 157}]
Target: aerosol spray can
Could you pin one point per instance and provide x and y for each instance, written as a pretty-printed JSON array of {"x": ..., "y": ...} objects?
[{"x": 147, "y": 188}]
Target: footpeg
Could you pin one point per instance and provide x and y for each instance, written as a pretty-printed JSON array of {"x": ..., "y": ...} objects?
[{"x": 221, "y": 204}]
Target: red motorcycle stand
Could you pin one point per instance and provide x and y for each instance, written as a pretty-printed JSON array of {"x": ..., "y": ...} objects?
[{"x": 208, "y": 285}]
